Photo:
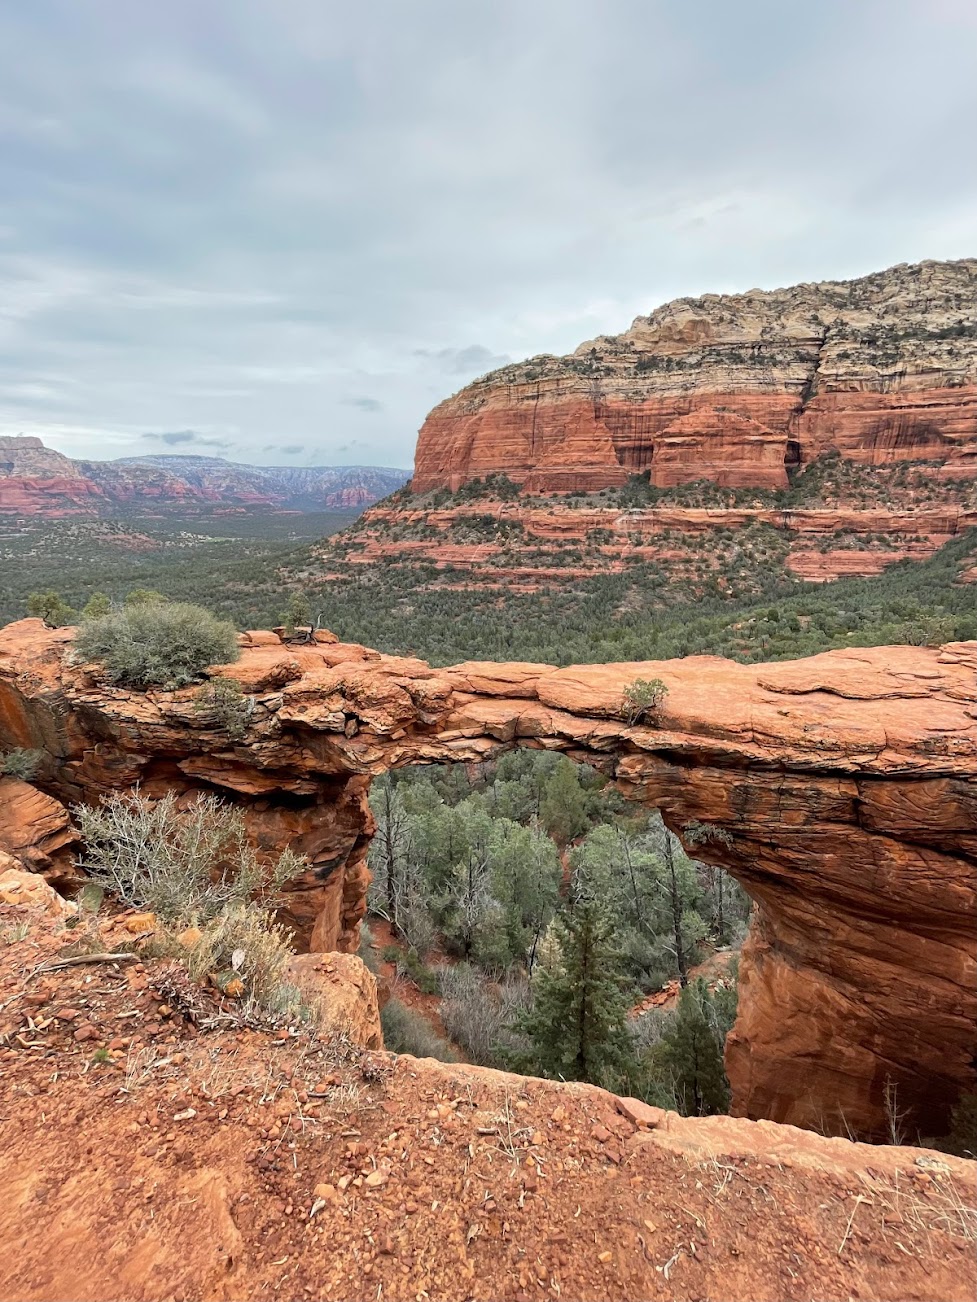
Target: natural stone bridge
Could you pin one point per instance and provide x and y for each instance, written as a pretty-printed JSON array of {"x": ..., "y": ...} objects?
[{"x": 847, "y": 784}]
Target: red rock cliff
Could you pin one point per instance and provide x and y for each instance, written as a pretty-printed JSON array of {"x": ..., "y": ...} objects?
[
  {"x": 847, "y": 783},
  {"x": 732, "y": 388}
]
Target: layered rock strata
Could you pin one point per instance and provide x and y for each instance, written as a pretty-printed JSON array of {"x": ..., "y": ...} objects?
[
  {"x": 523, "y": 545},
  {"x": 734, "y": 388},
  {"x": 846, "y": 784}
]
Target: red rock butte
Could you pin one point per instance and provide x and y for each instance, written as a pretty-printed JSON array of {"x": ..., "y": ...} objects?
[
  {"x": 845, "y": 786},
  {"x": 733, "y": 388}
]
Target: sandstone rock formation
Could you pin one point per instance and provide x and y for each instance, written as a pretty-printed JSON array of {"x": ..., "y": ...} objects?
[
  {"x": 36, "y": 829},
  {"x": 523, "y": 545},
  {"x": 36, "y": 480},
  {"x": 734, "y": 388},
  {"x": 342, "y": 993},
  {"x": 39, "y": 482},
  {"x": 847, "y": 784}
]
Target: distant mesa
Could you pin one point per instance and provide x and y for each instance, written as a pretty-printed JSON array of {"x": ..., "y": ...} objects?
[
  {"x": 37, "y": 481},
  {"x": 738, "y": 389}
]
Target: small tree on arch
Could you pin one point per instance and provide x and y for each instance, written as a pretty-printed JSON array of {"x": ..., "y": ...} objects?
[{"x": 642, "y": 699}]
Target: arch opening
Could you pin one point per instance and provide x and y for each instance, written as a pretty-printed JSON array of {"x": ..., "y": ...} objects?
[{"x": 484, "y": 874}]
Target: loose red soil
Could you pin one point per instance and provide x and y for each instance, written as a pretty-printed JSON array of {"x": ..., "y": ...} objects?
[{"x": 148, "y": 1158}]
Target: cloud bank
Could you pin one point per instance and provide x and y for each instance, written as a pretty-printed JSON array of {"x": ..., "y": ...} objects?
[{"x": 304, "y": 224}]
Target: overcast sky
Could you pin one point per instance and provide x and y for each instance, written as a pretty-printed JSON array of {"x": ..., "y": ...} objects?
[{"x": 281, "y": 230}]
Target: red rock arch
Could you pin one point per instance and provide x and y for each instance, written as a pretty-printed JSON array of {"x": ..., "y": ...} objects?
[{"x": 847, "y": 784}]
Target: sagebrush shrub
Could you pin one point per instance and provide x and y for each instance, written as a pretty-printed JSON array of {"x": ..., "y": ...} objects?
[
  {"x": 184, "y": 864},
  {"x": 164, "y": 644},
  {"x": 193, "y": 867},
  {"x": 21, "y": 763}
]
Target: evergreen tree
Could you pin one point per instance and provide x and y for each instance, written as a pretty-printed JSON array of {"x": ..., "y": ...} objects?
[
  {"x": 577, "y": 1025},
  {"x": 98, "y": 604},
  {"x": 563, "y": 809},
  {"x": 51, "y": 607},
  {"x": 297, "y": 613},
  {"x": 691, "y": 1050}
]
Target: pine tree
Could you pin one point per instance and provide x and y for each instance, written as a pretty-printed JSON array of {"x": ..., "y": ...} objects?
[
  {"x": 692, "y": 1051},
  {"x": 577, "y": 1025},
  {"x": 563, "y": 809}
]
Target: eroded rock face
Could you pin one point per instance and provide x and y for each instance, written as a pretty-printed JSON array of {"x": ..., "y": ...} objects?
[
  {"x": 732, "y": 388},
  {"x": 847, "y": 784},
  {"x": 36, "y": 830}
]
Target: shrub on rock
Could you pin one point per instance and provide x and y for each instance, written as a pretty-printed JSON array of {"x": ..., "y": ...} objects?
[
  {"x": 20, "y": 763},
  {"x": 642, "y": 699},
  {"x": 157, "y": 644}
]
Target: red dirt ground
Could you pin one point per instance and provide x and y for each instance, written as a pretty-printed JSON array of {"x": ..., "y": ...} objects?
[{"x": 148, "y": 1158}]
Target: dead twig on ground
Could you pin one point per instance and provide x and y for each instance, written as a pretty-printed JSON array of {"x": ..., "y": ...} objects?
[
  {"x": 859, "y": 1199},
  {"x": 126, "y": 956}
]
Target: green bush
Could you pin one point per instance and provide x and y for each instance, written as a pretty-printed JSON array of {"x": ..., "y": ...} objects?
[
  {"x": 97, "y": 605},
  {"x": 223, "y": 702},
  {"x": 406, "y": 1031},
  {"x": 157, "y": 644},
  {"x": 144, "y": 597},
  {"x": 51, "y": 607},
  {"x": 297, "y": 614},
  {"x": 21, "y": 763},
  {"x": 642, "y": 698},
  {"x": 414, "y": 967}
]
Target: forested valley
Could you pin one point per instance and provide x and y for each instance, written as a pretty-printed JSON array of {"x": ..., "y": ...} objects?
[
  {"x": 611, "y": 617},
  {"x": 537, "y": 907}
]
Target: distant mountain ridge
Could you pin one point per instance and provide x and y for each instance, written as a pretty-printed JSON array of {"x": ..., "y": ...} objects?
[{"x": 36, "y": 480}]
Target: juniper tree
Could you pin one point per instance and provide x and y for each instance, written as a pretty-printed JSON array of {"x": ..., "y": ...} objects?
[{"x": 51, "y": 607}]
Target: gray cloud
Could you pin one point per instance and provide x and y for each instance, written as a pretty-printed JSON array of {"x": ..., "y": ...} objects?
[
  {"x": 286, "y": 450},
  {"x": 175, "y": 438},
  {"x": 364, "y": 403},
  {"x": 470, "y": 361},
  {"x": 232, "y": 222}
]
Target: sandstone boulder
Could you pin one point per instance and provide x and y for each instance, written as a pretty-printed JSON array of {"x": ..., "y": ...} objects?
[{"x": 342, "y": 993}]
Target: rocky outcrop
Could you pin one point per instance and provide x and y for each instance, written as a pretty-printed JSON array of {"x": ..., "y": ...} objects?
[
  {"x": 847, "y": 785},
  {"x": 36, "y": 830},
  {"x": 523, "y": 544},
  {"x": 342, "y": 994},
  {"x": 170, "y": 1155},
  {"x": 734, "y": 388}
]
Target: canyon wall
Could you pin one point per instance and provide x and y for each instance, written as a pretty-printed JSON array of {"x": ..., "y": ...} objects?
[
  {"x": 847, "y": 784},
  {"x": 733, "y": 388}
]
